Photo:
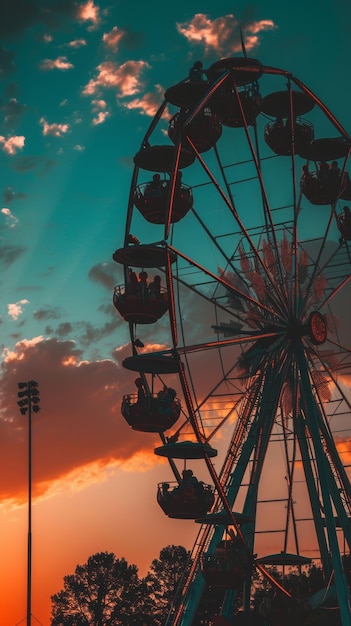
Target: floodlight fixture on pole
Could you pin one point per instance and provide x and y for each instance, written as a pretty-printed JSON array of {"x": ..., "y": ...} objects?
[{"x": 29, "y": 403}]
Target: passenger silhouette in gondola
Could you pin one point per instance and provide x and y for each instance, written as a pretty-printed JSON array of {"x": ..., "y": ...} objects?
[
  {"x": 165, "y": 399},
  {"x": 141, "y": 391},
  {"x": 154, "y": 288},
  {"x": 188, "y": 478},
  {"x": 154, "y": 187},
  {"x": 323, "y": 172},
  {"x": 132, "y": 285},
  {"x": 177, "y": 185},
  {"x": 334, "y": 171},
  {"x": 196, "y": 73},
  {"x": 142, "y": 286}
]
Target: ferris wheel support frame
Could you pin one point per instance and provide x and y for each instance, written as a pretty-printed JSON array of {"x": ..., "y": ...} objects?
[{"x": 342, "y": 590}]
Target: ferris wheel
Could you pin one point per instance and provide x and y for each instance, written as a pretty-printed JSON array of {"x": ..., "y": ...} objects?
[{"x": 237, "y": 262}]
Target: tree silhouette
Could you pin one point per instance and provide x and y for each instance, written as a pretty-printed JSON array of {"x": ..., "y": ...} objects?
[
  {"x": 163, "y": 579},
  {"x": 105, "y": 591}
]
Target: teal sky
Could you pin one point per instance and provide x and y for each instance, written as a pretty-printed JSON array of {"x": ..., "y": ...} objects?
[{"x": 80, "y": 85}]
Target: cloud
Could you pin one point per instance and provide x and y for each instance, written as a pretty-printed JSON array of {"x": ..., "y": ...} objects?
[
  {"x": 222, "y": 34},
  {"x": 99, "y": 107},
  {"x": 27, "y": 163},
  {"x": 89, "y": 12},
  {"x": 16, "y": 309},
  {"x": 8, "y": 195},
  {"x": 149, "y": 103},
  {"x": 60, "y": 63},
  {"x": 13, "y": 112},
  {"x": 112, "y": 39},
  {"x": 17, "y": 16},
  {"x": 105, "y": 274},
  {"x": 77, "y": 43},
  {"x": 47, "y": 313},
  {"x": 10, "y": 254},
  {"x": 98, "y": 104},
  {"x": 64, "y": 329},
  {"x": 12, "y": 144},
  {"x": 100, "y": 118},
  {"x": 79, "y": 424},
  {"x": 130, "y": 39},
  {"x": 56, "y": 130},
  {"x": 125, "y": 78},
  {"x": 92, "y": 334},
  {"x": 11, "y": 219}
]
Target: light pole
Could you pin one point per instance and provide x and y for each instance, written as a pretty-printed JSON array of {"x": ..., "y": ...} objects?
[{"x": 29, "y": 403}]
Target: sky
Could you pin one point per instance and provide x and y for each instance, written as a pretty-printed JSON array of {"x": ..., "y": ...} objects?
[{"x": 81, "y": 82}]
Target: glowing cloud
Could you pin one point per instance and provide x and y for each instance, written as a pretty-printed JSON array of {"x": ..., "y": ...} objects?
[
  {"x": 11, "y": 219},
  {"x": 223, "y": 33},
  {"x": 112, "y": 39},
  {"x": 56, "y": 130},
  {"x": 89, "y": 12},
  {"x": 100, "y": 118},
  {"x": 12, "y": 144},
  {"x": 77, "y": 43},
  {"x": 16, "y": 309},
  {"x": 60, "y": 63},
  {"x": 148, "y": 104},
  {"x": 79, "y": 427},
  {"x": 125, "y": 78},
  {"x": 98, "y": 104}
]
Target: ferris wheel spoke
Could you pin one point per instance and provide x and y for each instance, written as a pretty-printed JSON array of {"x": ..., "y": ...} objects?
[
  {"x": 323, "y": 107},
  {"x": 226, "y": 284},
  {"x": 317, "y": 279},
  {"x": 154, "y": 123},
  {"x": 172, "y": 189},
  {"x": 336, "y": 290},
  {"x": 271, "y": 233},
  {"x": 342, "y": 363},
  {"x": 244, "y": 231}
]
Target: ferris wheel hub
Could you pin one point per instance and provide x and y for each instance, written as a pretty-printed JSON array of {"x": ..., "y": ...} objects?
[{"x": 315, "y": 329}]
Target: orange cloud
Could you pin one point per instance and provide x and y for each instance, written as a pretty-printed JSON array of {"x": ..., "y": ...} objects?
[
  {"x": 112, "y": 39},
  {"x": 223, "y": 33},
  {"x": 125, "y": 78},
  {"x": 77, "y": 43},
  {"x": 60, "y": 63},
  {"x": 11, "y": 219},
  {"x": 12, "y": 144},
  {"x": 89, "y": 12},
  {"x": 100, "y": 118},
  {"x": 79, "y": 431},
  {"x": 16, "y": 309},
  {"x": 56, "y": 130},
  {"x": 148, "y": 104}
]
